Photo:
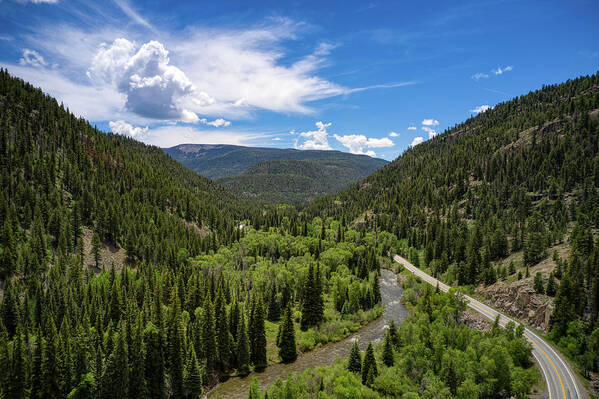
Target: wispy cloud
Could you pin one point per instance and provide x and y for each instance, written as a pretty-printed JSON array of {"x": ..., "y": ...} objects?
[
  {"x": 131, "y": 13},
  {"x": 393, "y": 134},
  {"x": 430, "y": 122},
  {"x": 412, "y": 128},
  {"x": 500, "y": 71},
  {"x": 480, "y": 75},
  {"x": 33, "y": 58}
]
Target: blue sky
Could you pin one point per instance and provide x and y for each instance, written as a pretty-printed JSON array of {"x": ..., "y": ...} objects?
[{"x": 364, "y": 77}]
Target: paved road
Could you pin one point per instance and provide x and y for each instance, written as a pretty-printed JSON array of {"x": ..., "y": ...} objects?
[{"x": 561, "y": 382}]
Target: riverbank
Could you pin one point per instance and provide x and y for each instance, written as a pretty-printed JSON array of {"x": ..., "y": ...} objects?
[{"x": 325, "y": 355}]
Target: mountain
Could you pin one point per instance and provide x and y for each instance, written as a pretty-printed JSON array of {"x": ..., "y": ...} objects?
[
  {"x": 218, "y": 160},
  {"x": 64, "y": 181},
  {"x": 507, "y": 200},
  {"x": 293, "y": 181}
]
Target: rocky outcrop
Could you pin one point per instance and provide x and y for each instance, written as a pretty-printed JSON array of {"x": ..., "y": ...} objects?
[{"x": 520, "y": 301}]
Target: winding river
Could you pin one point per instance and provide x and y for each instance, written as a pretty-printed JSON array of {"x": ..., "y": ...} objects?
[{"x": 374, "y": 331}]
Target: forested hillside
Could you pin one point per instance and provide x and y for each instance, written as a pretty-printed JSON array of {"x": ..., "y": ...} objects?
[
  {"x": 296, "y": 182},
  {"x": 59, "y": 175},
  {"x": 516, "y": 179},
  {"x": 217, "y": 160}
]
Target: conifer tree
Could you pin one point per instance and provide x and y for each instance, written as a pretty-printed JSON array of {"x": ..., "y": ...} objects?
[
  {"x": 369, "y": 368},
  {"x": 115, "y": 378},
  {"x": 274, "y": 309},
  {"x": 154, "y": 362},
  {"x": 258, "y": 349},
  {"x": 287, "y": 346},
  {"x": 175, "y": 346},
  {"x": 243, "y": 346},
  {"x": 209, "y": 335},
  {"x": 538, "y": 284},
  {"x": 192, "y": 382},
  {"x": 551, "y": 286},
  {"x": 222, "y": 331},
  {"x": 354, "y": 363},
  {"x": 388, "y": 351},
  {"x": 50, "y": 371},
  {"x": 313, "y": 306}
]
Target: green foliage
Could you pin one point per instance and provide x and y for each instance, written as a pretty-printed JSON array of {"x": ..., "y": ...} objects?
[
  {"x": 354, "y": 363},
  {"x": 287, "y": 346},
  {"x": 369, "y": 368}
]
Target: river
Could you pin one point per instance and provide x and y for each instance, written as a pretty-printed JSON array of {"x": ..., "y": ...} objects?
[{"x": 374, "y": 331}]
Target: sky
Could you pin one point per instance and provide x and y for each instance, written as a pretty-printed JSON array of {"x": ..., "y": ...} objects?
[{"x": 363, "y": 77}]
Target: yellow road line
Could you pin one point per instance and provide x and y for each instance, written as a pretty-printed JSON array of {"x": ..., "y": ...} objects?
[{"x": 491, "y": 316}]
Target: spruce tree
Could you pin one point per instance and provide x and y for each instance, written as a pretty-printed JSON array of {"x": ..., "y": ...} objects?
[
  {"x": 354, "y": 362},
  {"x": 388, "y": 351},
  {"x": 258, "y": 349},
  {"x": 243, "y": 346},
  {"x": 287, "y": 346},
  {"x": 115, "y": 378},
  {"x": 192, "y": 382},
  {"x": 222, "y": 331},
  {"x": 313, "y": 307},
  {"x": 209, "y": 335},
  {"x": 538, "y": 284},
  {"x": 50, "y": 372},
  {"x": 369, "y": 368},
  {"x": 154, "y": 362},
  {"x": 175, "y": 346},
  {"x": 274, "y": 309}
]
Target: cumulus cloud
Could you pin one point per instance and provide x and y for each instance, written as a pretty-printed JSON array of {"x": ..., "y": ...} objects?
[
  {"x": 153, "y": 87},
  {"x": 412, "y": 128},
  {"x": 393, "y": 134},
  {"x": 430, "y": 122},
  {"x": 480, "y": 109},
  {"x": 220, "y": 122},
  {"x": 357, "y": 143},
  {"x": 33, "y": 58},
  {"x": 416, "y": 141},
  {"x": 500, "y": 70},
  {"x": 317, "y": 139},
  {"x": 431, "y": 132},
  {"x": 125, "y": 129}
]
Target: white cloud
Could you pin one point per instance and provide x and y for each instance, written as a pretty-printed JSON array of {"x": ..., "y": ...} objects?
[
  {"x": 430, "y": 122},
  {"x": 276, "y": 138},
  {"x": 33, "y": 58},
  {"x": 125, "y": 129},
  {"x": 38, "y": 1},
  {"x": 416, "y": 141},
  {"x": 171, "y": 135},
  {"x": 393, "y": 134},
  {"x": 480, "y": 75},
  {"x": 153, "y": 88},
  {"x": 412, "y": 128},
  {"x": 431, "y": 132},
  {"x": 480, "y": 108},
  {"x": 500, "y": 70},
  {"x": 93, "y": 103},
  {"x": 318, "y": 139},
  {"x": 220, "y": 122},
  {"x": 131, "y": 13},
  {"x": 357, "y": 143}
]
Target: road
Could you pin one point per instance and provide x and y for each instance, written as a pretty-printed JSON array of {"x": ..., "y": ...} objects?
[{"x": 561, "y": 381}]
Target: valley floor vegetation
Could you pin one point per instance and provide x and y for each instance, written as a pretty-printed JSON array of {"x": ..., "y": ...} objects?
[{"x": 431, "y": 355}]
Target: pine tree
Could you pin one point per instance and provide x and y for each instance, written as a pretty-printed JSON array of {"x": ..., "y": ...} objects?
[
  {"x": 243, "y": 346},
  {"x": 287, "y": 346},
  {"x": 354, "y": 363},
  {"x": 175, "y": 346},
  {"x": 10, "y": 308},
  {"x": 154, "y": 362},
  {"x": 115, "y": 378},
  {"x": 137, "y": 383},
  {"x": 222, "y": 331},
  {"x": 258, "y": 349},
  {"x": 388, "y": 351},
  {"x": 312, "y": 310},
  {"x": 50, "y": 372},
  {"x": 192, "y": 381},
  {"x": 97, "y": 249},
  {"x": 369, "y": 369},
  {"x": 209, "y": 335},
  {"x": 538, "y": 284},
  {"x": 551, "y": 286},
  {"x": 274, "y": 309},
  {"x": 376, "y": 290},
  {"x": 18, "y": 372}
]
